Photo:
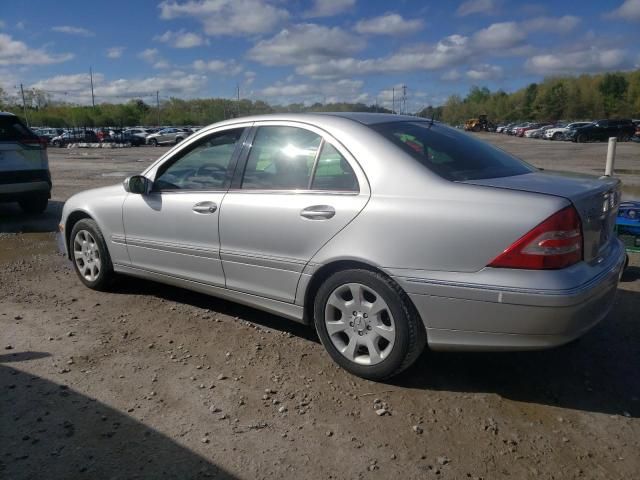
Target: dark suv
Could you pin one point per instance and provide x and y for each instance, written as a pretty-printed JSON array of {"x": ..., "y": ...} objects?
[
  {"x": 601, "y": 130},
  {"x": 24, "y": 166}
]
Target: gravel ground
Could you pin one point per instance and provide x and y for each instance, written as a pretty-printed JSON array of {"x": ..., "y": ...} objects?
[{"x": 150, "y": 381}]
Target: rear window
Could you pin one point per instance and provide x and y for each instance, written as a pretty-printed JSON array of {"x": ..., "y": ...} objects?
[
  {"x": 451, "y": 154},
  {"x": 12, "y": 129}
]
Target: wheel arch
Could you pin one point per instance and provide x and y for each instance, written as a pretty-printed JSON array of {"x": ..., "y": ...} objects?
[
  {"x": 73, "y": 218},
  {"x": 328, "y": 269}
]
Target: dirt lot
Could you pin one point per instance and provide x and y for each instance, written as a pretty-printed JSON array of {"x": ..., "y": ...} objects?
[{"x": 150, "y": 381}]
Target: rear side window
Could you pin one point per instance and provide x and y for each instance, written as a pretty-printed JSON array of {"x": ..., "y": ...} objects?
[
  {"x": 12, "y": 129},
  {"x": 333, "y": 172},
  {"x": 451, "y": 154}
]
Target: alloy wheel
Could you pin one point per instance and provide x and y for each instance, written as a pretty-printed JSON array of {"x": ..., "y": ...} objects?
[
  {"x": 360, "y": 324},
  {"x": 86, "y": 255}
]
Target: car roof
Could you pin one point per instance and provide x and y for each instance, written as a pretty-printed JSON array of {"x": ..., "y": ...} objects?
[{"x": 8, "y": 114}]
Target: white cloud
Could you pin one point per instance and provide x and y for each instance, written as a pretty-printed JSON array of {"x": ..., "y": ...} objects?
[
  {"x": 227, "y": 17},
  {"x": 15, "y": 52},
  {"x": 629, "y": 10},
  {"x": 76, "y": 87},
  {"x": 305, "y": 43},
  {"x": 218, "y": 66},
  {"x": 249, "y": 77},
  {"x": 452, "y": 75},
  {"x": 449, "y": 51},
  {"x": 499, "y": 36},
  {"x": 388, "y": 24},
  {"x": 152, "y": 56},
  {"x": 590, "y": 60},
  {"x": 552, "y": 24},
  {"x": 485, "y": 72},
  {"x": 328, "y": 8},
  {"x": 68, "y": 29},
  {"x": 470, "y": 7},
  {"x": 115, "y": 52},
  {"x": 338, "y": 91},
  {"x": 2, "y": 24},
  {"x": 181, "y": 39}
]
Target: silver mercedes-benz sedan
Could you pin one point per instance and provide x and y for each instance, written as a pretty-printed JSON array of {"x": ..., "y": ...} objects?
[{"x": 385, "y": 232}]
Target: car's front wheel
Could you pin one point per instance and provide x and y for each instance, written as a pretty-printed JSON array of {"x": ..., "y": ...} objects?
[
  {"x": 367, "y": 324},
  {"x": 91, "y": 259},
  {"x": 153, "y": 142}
]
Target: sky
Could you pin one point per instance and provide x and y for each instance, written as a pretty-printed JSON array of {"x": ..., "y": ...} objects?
[{"x": 307, "y": 51}]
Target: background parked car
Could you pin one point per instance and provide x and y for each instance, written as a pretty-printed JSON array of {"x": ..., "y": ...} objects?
[
  {"x": 601, "y": 130},
  {"x": 559, "y": 132},
  {"x": 167, "y": 136},
  {"x": 66, "y": 138},
  {"x": 47, "y": 133},
  {"x": 24, "y": 166}
]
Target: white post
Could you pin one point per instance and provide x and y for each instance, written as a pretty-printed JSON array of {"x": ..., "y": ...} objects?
[{"x": 611, "y": 157}]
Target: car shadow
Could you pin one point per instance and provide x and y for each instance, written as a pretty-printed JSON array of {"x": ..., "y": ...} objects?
[
  {"x": 48, "y": 430},
  {"x": 136, "y": 286},
  {"x": 597, "y": 373},
  {"x": 14, "y": 220}
]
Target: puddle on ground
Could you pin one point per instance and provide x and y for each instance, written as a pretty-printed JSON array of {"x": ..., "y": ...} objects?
[{"x": 14, "y": 246}]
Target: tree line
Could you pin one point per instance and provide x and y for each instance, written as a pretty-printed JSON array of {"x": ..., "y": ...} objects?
[{"x": 585, "y": 97}]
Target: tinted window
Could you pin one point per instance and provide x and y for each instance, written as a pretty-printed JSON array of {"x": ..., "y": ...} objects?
[
  {"x": 205, "y": 165},
  {"x": 11, "y": 128},
  {"x": 451, "y": 154},
  {"x": 281, "y": 158},
  {"x": 333, "y": 172}
]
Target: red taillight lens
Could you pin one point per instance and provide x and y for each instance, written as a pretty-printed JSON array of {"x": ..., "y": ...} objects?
[
  {"x": 35, "y": 141},
  {"x": 555, "y": 243}
]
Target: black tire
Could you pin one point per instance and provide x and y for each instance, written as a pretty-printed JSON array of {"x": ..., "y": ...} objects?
[
  {"x": 106, "y": 275},
  {"x": 410, "y": 336},
  {"x": 56, "y": 143},
  {"x": 581, "y": 138},
  {"x": 153, "y": 142},
  {"x": 178, "y": 140},
  {"x": 556, "y": 136},
  {"x": 36, "y": 203}
]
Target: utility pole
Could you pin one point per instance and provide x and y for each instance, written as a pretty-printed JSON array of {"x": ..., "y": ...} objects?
[
  {"x": 404, "y": 99},
  {"x": 24, "y": 105},
  {"x": 238, "y": 97},
  {"x": 393, "y": 100},
  {"x": 158, "y": 105},
  {"x": 93, "y": 98}
]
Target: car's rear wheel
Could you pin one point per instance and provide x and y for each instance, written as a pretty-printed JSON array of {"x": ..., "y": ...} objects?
[
  {"x": 91, "y": 259},
  {"x": 34, "y": 204},
  {"x": 367, "y": 324},
  {"x": 581, "y": 138},
  {"x": 178, "y": 140},
  {"x": 153, "y": 142}
]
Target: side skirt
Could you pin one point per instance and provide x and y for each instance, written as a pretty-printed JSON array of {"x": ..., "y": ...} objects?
[{"x": 287, "y": 310}]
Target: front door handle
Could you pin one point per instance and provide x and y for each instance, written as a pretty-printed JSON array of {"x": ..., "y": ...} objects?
[
  {"x": 318, "y": 212},
  {"x": 205, "y": 207}
]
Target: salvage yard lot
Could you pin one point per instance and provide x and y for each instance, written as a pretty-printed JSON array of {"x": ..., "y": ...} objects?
[{"x": 150, "y": 381}]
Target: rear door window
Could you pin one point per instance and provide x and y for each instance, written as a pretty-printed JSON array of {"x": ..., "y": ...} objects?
[
  {"x": 12, "y": 129},
  {"x": 453, "y": 155},
  {"x": 281, "y": 158}
]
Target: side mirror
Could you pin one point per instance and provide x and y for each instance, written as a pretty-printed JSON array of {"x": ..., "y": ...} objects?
[{"x": 137, "y": 184}]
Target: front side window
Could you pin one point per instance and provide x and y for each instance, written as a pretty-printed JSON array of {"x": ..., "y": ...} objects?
[
  {"x": 281, "y": 158},
  {"x": 205, "y": 165}
]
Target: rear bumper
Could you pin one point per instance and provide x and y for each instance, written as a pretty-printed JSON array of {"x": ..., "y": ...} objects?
[
  {"x": 13, "y": 192},
  {"x": 491, "y": 317}
]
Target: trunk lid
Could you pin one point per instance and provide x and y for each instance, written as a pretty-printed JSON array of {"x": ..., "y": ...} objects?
[{"x": 595, "y": 199}]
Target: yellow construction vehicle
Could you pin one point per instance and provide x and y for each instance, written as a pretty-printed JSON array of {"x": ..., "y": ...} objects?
[{"x": 480, "y": 124}]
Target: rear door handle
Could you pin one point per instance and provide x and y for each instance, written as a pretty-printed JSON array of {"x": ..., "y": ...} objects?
[
  {"x": 205, "y": 207},
  {"x": 318, "y": 212}
]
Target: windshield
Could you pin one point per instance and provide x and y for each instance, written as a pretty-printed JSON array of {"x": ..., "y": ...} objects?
[{"x": 451, "y": 154}]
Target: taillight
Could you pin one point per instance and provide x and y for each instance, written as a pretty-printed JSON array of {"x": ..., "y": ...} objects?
[
  {"x": 35, "y": 141},
  {"x": 555, "y": 243}
]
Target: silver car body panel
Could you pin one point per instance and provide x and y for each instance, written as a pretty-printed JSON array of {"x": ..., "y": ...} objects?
[{"x": 434, "y": 237}]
